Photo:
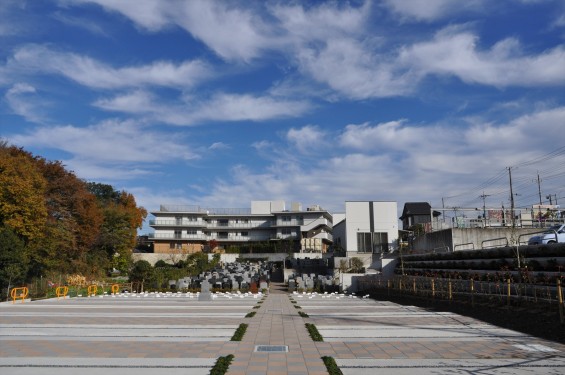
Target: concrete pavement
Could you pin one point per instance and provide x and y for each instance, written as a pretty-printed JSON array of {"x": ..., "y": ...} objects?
[{"x": 173, "y": 334}]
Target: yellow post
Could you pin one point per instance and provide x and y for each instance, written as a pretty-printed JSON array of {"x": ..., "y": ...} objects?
[
  {"x": 450, "y": 295},
  {"x": 560, "y": 300},
  {"x": 433, "y": 288},
  {"x": 19, "y": 293},
  {"x": 62, "y": 291},
  {"x": 115, "y": 288},
  {"x": 414, "y": 284},
  {"x": 92, "y": 290}
]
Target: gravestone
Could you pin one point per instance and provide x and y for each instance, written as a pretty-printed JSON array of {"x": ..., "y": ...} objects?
[
  {"x": 205, "y": 294},
  {"x": 253, "y": 287},
  {"x": 291, "y": 285}
]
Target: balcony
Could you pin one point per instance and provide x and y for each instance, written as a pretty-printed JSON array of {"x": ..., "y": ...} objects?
[
  {"x": 176, "y": 236},
  {"x": 287, "y": 223},
  {"x": 176, "y": 223},
  {"x": 308, "y": 226}
]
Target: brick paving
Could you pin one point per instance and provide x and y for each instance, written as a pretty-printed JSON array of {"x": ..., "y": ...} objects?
[{"x": 161, "y": 336}]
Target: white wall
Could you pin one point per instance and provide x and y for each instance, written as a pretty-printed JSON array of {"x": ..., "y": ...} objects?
[{"x": 358, "y": 220}]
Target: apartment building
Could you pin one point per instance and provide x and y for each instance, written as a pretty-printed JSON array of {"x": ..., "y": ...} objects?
[{"x": 191, "y": 228}]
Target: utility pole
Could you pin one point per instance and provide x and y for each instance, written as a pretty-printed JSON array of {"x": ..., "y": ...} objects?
[
  {"x": 550, "y": 197},
  {"x": 539, "y": 189},
  {"x": 511, "y": 197},
  {"x": 484, "y": 204}
]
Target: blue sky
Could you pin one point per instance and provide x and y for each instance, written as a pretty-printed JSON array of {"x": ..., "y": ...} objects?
[{"x": 218, "y": 103}]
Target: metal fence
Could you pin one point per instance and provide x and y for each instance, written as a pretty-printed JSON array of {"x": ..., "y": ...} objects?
[{"x": 504, "y": 293}]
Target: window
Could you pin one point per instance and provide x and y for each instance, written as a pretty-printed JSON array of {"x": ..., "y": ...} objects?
[
  {"x": 222, "y": 222},
  {"x": 191, "y": 232},
  {"x": 286, "y": 218},
  {"x": 363, "y": 242},
  {"x": 244, "y": 234},
  {"x": 178, "y": 234},
  {"x": 178, "y": 220},
  {"x": 222, "y": 234},
  {"x": 175, "y": 245},
  {"x": 286, "y": 231},
  {"x": 380, "y": 242}
]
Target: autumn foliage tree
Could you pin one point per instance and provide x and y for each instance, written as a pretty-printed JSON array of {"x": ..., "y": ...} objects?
[
  {"x": 122, "y": 218},
  {"x": 60, "y": 223}
]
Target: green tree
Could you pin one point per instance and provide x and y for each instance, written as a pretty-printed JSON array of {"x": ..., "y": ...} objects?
[
  {"x": 141, "y": 272},
  {"x": 13, "y": 263}
]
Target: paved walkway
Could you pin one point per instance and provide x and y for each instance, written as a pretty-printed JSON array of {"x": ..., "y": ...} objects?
[
  {"x": 277, "y": 323},
  {"x": 177, "y": 334}
]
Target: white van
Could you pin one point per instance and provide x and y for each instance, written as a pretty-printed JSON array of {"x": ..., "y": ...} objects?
[{"x": 554, "y": 234}]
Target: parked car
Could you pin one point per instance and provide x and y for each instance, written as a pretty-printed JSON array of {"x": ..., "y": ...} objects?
[{"x": 549, "y": 236}]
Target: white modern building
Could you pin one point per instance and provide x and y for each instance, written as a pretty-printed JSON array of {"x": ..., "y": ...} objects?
[
  {"x": 191, "y": 228},
  {"x": 369, "y": 227}
]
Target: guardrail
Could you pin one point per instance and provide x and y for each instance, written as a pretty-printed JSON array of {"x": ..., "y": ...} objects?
[
  {"x": 465, "y": 244},
  {"x": 492, "y": 240}
]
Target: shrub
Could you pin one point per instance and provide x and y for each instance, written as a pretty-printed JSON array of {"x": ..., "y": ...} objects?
[
  {"x": 239, "y": 332},
  {"x": 303, "y": 314},
  {"x": 313, "y": 331},
  {"x": 222, "y": 365},
  {"x": 251, "y": 314},
  {"x": 331, "y": 366}
]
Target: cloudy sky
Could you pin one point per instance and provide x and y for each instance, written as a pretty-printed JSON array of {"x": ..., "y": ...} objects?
[{"x": 218, "y": 103}]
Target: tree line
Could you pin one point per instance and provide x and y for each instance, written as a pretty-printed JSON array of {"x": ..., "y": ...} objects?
[{"x": 52, "y": 222}]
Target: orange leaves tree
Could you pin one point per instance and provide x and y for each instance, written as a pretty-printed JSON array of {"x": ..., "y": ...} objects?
[
  {"x": 122, "y": 218},
  {"x": 64, "y": 224}
]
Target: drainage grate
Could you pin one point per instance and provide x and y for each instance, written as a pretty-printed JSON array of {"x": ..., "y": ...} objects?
[{"x": 272, "y": 348}]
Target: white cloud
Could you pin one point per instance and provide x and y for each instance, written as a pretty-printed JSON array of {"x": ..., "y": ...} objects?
[
  {"x": 438, "y": 159},
  {"x": 220, "y": 107},
  {"x": 307, "y": 139},
  {"x": 455, "y": 53},
  {"x": 92, "y": 73},
  {"x": 321, "y": 22},
  {"x": 352, "y": 69},
  {"x": 232, "y": 32},
  {"x": 22, "y": 100},
  {"x": 149, "y": 14},
  {"x": 219, "y": 146},
  {"x": 109, "y": 141},
  {"x": 431, "y": 10},
  {"x": 80, "y": 22}
]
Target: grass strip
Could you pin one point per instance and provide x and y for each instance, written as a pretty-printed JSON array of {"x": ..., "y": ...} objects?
[
  {"x": 251, "y": 314},
  {"x": 313, "y": 331},
  {"x": 331, "y": 366},
  {"x": 239, "y": 332},
  {"x": 303, "y": 314},
  {"x": 222, "y": 365}
]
